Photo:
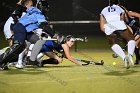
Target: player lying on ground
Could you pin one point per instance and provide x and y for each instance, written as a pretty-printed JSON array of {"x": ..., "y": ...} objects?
[
  {"x": 52, "y": 48},
  {"x": 112, "y": 23}
]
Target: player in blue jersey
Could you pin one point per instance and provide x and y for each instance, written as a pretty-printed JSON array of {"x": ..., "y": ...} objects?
[
  {"x": 33, "y": 19},
  {"x": 13, "y": 19},
  {"x": 133, "y": 22},
  {"x": 52, "y": 48}
]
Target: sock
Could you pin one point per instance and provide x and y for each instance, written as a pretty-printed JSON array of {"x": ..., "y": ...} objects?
[
  {"x": 137, "y": 53},
  {"x": 39, "y": 56},
  {"x": 20, "y": 57},
  {"x": 50, "y": 61},
  {"x": 118, "y": 50},
  {"x": 30, "y": 50},
  {"x": 131, "y": 47}
]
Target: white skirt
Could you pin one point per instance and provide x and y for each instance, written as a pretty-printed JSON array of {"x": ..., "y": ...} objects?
[{"x": 110, "y": 27}]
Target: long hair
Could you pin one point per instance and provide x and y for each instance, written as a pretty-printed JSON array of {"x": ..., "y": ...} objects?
[
  {"x": 112, "y": 2},
  {"x": 67, "y": 38},
  {"x": 43, "y": 5},
  {"x": 23, "y": 2}
]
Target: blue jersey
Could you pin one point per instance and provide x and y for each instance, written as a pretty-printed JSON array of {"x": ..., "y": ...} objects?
[
  {"x": 32, "y": 19},
  {"x": 50, "y": 46},
  {"x": 133, "y": 23}
]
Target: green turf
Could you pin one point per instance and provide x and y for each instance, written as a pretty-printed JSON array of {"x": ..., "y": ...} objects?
[{"x": 69, "y": 78}]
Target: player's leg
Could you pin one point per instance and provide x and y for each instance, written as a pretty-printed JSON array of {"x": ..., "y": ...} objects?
[
  {"x": 21, "y": 64},
  {"x": 20, "y": 60},
  {"x": 49, "y": 61},
  {"x": 18, "y": 45},
  {"x": 53, "y": 55},
  {"x": 36, "y": 49},
  {"x": 137, "y": 56},
  {"x": 127, "y": 35},
  {"x": 53, "y": 59},
  {"x": 117, "y": 49},
  {"x": 137, "y": 53},
  {"x": 10, "y": 54}
]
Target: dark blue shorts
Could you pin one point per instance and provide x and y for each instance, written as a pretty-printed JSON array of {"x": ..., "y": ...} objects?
[{"x": 48, "y": 46}]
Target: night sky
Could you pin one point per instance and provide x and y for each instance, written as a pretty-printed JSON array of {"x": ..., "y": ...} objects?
[{"x": 69, "y": 9}]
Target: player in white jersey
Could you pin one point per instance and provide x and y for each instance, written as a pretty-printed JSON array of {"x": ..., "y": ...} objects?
[
  {"x": 113, "y": 25},
  {"x": 19, "y": 12}
]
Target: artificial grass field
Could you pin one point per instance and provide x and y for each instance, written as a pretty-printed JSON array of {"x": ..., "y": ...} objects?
[{"x": 69, "y": 78}]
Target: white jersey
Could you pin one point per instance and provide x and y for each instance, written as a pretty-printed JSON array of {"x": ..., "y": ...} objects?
[
  {"x": 7, "y": 30},
  {"x": 112, "y": 15}
]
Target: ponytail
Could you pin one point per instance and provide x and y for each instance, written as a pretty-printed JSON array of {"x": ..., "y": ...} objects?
[{"x": 112, "y": 2}]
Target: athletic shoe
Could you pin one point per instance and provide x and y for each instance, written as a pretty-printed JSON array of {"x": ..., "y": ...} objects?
[
  {"x": 114, "y": 55},
  {"x": 126, "y": 61},
  {"x": 20, "y": 66},
  {"x": 131, "y": 59},
  {"x": 40, "y": 63},
  {"x": 4, "y": 68},
  {"x": 12, "y": 64}
]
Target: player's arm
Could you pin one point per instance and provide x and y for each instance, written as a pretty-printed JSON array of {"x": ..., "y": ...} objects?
[
  {"x": 102, "y": 22},
  {"x": 53, "y": 55},
  {"x": 123, "y": 17},
  {"x": 133, "y": 14},
  {"x": 46, "y": 28},
  {"x": 43, "y": 24},
  {"x": 68, "y": 55}
]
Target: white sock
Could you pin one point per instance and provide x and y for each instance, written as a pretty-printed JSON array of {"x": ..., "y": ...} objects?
[
  {"x": 20, "y": 57},
  {"x": 118, "y": 50},
  {"x": 39, "y": 56},
  {"x": 131, "y": 47},
  {"x": 30, "y": 49}
]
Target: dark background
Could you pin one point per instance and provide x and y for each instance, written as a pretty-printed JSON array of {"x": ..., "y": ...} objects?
[{"x": 70, "y": 10}]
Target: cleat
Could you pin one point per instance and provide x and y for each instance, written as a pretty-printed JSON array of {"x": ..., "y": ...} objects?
[
  {"x": 40, "y": 63},
  {"x": 4, "y": 68},
  {"x": 114, "y": 55},
  {"x": 102, "y": 62},
  {"x": 20, "y": 66},
  {"x": 126, "y": 60},
  {"x": 12, "y": 64}
]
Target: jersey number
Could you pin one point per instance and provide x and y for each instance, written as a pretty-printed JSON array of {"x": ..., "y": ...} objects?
[{"x": 111, "y": 9}]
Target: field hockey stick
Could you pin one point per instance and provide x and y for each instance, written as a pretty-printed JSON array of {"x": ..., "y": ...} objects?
[
  {"x": 85, "y": 39},
  {"x": 90, "y": 62}
]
